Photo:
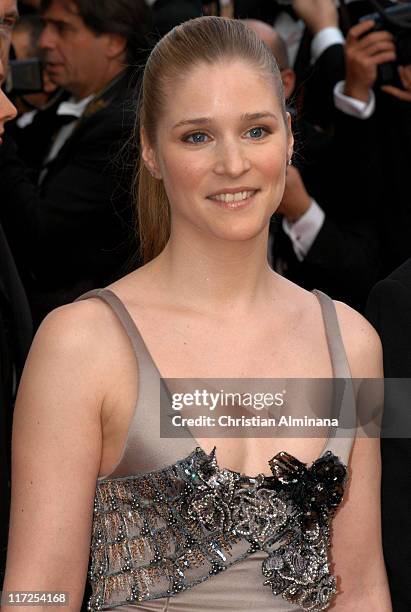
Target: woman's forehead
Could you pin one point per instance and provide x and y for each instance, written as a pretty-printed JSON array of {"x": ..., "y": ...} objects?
[{"x": 227, "y": 87}]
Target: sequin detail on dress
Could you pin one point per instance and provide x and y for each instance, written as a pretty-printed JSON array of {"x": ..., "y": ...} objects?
[{"x": 157, "y": 534}]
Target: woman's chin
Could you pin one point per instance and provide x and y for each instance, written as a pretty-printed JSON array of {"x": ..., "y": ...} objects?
[{"x": 240, "y": 232}]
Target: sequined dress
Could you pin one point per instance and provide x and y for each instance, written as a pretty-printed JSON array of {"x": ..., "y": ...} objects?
[{"x": 173, "y": 531}]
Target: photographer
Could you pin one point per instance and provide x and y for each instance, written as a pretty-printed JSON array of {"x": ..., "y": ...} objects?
[
  {"x": 73, "y": 231},
  {"x": 369, "y": 128},
  {"x": 383, "y": 117},
  {"x": 385, "y": 111},
  {"x": 341, "y": 259}
]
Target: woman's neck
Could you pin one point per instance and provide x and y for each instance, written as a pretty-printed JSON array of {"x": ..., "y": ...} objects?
[{"x": 219, "y": 273}]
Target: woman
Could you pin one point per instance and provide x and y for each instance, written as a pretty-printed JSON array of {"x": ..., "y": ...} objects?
[{"x": 216, "y": 141}]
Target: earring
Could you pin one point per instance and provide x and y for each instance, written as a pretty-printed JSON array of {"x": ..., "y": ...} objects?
[{"x": 290, "y": 161}]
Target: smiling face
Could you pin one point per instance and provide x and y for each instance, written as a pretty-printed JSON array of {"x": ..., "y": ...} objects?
[{"x": 222, "y": 145}]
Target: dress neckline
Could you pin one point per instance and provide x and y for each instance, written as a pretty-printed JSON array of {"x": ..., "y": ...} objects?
[
  {"x": 331, "y": 327},
  {"x": 336, "y": 351},
  {"x": 200, "y": 454},
  {"x": 329, "y": 317}
]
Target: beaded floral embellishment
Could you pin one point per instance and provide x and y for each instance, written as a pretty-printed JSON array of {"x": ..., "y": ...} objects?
[{"x": 158, "y": 534}]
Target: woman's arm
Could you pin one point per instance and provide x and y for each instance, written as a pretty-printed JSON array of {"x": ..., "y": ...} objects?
[
  {"x": 356, "y": 540},
  {"x": 56, "y": 452}
]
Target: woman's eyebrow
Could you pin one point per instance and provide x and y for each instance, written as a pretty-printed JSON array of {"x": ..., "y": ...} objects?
[
  {"x": 259, "y": 115},
  {"x": 194, "y": 121},
  {"x": 207, "y": 120}
]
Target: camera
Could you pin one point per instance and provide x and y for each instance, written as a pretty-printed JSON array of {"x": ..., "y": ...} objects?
[
  {"x": 25, "y": 76},
  {"x": 397, "y": 20}
]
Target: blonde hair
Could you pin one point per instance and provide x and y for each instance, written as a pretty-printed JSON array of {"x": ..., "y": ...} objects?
[{"x": 202, "y": 40}]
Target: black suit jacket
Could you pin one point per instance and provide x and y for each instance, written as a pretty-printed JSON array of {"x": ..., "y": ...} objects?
[
  {"x": 338, "y": 172},
  {"x": 392, "y": 142},
  {"x": 33, "y": 140},
  {"x": 15, "y": 339},
  {"x": 75, "y": 231},
  {"x": 389, "y": 310},
  {"x": 360, "y": 179},
  {"x": 315, "y": 82}
]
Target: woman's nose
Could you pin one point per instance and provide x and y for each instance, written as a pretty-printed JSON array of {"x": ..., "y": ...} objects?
[{"x": 232, "y": 160}]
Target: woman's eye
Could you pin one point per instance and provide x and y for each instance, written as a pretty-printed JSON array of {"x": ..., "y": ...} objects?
[
  {"x": 196, "y": 138},
  {"x": 257, "y": 132}
]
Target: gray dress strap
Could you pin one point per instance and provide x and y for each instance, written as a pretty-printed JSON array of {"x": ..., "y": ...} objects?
[
  {"x": 144, "y": 449},
  {"x": 338, "y": 356},
  {"x": 143, "y": 356},
  {"x": 341, "y": 438}
]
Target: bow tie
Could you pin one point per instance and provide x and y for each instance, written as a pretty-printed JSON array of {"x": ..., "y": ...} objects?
[{"x": 72, "y": 108}]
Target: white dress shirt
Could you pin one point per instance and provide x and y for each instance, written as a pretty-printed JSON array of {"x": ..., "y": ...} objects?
[
  {"x": 303, "y": 232},
  {"x": 74, "y": 109},
  {"x": 352, "y": 106}
]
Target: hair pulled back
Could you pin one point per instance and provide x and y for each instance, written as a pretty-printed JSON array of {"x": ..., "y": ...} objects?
[{"x": 198, "y": 41}]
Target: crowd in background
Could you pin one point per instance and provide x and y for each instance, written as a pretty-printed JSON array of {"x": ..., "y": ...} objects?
[
  {"x": 344, "y": 220},
  {"x": 67, "y": 160}
]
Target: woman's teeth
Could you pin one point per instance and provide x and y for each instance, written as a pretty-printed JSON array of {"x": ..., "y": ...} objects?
[{"x": 232, "y": 197}]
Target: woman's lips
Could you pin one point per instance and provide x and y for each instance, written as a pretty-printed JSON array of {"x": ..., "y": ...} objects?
[{"x": 233, "y": 200}]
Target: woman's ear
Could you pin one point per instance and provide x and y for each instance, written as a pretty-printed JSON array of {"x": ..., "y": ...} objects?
[{"x": 148, "y": 155}]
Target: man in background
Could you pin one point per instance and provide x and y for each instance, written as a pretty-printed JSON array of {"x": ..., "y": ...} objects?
[{"x": 72, "y": 229}]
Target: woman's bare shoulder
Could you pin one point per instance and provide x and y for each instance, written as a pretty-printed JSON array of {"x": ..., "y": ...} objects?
[
  {"x": 361, "y": 342},
  {"x": 79, "y": 337},
  {"x": 77, "y": 325}
]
